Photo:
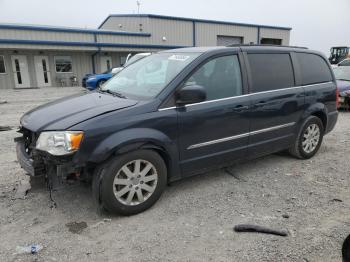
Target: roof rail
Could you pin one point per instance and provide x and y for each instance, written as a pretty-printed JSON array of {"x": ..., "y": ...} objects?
[{"x": 288, "y": 46}]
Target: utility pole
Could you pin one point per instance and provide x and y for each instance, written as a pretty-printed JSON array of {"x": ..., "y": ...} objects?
[{"x": 138, "y": 7}]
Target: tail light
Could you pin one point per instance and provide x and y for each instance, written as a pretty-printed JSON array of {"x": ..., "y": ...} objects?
[{"x": 337, "y": 98}]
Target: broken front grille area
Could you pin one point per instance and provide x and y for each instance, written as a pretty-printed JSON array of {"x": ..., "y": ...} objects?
[{"x": 29, "y": 138}]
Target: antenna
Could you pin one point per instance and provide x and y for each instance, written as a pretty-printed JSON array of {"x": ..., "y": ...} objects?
[{"x": 138, "y": 6}]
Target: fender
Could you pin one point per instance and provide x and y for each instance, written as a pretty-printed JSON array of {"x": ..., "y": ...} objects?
[{"x": 135, "y": 138}]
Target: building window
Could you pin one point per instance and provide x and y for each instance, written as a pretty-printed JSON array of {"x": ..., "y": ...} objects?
[
  {"x": 63, "y": 64},
  {"x": 2, "y": 65},
  {"x": 270, "y": 41}
]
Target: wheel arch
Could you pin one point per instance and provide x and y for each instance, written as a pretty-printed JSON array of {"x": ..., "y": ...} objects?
[
  {"x": 139, "y": 138},
  {"x": 319, "y": 110}
]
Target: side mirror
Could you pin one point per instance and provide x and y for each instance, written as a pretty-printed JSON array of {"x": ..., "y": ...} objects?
[{"x": 191, "y": 94}]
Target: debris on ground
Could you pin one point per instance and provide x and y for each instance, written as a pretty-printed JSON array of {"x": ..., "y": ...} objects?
[
  {"x": 76, "y": 227},
  {"x": 3, "y": 102},
  {"x": 105, "y": 220},
  {"x": 259, "y": 229},
  {"x": 336, "y": 200},
  {"x": 22, "y": 189},
  {"x": 5, "y": 128},
  {"x": 285, "y": 216},
  {"x": 31, "y": 249}
]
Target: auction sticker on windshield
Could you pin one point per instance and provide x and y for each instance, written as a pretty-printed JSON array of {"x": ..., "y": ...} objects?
[{"x": 179, "y": 57}]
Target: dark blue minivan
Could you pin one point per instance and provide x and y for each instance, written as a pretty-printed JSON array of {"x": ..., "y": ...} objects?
[{"x": 179, "y": 113}]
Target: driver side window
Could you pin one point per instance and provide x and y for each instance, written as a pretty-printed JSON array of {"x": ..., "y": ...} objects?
[{"x": 221, "y": 77}]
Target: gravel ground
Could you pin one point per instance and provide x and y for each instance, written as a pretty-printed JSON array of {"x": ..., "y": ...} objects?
[{"x": 194, "y": 218}]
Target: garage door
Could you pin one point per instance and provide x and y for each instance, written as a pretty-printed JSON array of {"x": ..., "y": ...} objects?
[{"x": 223, "y": 40}]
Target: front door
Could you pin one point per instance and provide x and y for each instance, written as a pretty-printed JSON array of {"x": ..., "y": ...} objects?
[
  {"x": 20, "y": 71},
  {"x": 42, "y": 71},
  {"x": 216, "y": 131},
  {"x": 106, "y": 63}
]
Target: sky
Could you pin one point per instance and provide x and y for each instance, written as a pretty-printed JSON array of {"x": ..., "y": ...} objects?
[{"x": 317, "y": 24}]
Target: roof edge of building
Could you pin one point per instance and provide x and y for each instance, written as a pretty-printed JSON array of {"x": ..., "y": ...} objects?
[
  {"x": 71, "y": 30},
  {"x": 193, "y": 20},
  {"x": 90, "y": 44}
]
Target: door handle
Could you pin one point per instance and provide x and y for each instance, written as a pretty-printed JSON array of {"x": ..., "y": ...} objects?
[{"x": 240, "y": 108}]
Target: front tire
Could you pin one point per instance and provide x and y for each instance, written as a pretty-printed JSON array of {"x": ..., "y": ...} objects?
[
  {"x": 133, "y": 182},
  {"x": 309, "y": 138}
]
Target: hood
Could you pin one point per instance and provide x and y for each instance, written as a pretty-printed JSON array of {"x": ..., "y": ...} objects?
[
  {"x": 66, "y": 112},
  {"x": 343, "y": 85}
]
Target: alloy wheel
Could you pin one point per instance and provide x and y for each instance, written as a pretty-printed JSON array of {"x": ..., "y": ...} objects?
[
  {"x": 311, "y": 138},
  {"x": 135, "y": 182}
]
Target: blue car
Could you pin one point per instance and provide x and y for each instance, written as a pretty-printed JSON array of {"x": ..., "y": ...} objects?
[
  {"x": 92, "y": 82},
  {"x": 95, "y": 81}
]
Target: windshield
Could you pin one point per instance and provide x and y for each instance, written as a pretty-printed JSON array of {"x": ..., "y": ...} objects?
[
  {"x": 135, "y": 58},
  {"x": 149, "y": 76},
  {"x": 342, "y": 73}
]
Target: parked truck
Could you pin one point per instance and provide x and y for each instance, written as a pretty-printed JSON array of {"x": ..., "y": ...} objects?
[{"x": 338, "y": 54}]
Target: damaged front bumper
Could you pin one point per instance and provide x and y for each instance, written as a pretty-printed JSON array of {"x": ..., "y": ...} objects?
[
  {"x": 54, "y": 169},
  {"x": 33, "y": 168}
]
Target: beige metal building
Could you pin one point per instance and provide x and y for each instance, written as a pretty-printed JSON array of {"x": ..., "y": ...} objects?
[{"x": 40, "y": 56}]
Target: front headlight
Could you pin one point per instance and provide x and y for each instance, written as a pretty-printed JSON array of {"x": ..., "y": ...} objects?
[{"x": 59, "y": 143}]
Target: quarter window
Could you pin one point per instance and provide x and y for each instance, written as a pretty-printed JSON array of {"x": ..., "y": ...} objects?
[
  {"x": 221, "y": 77},
  {"x": 2, "y": 65},
  {"x": 63, "y": 64},
  {"x": 313, "y": 69},
  {"x": 270, "y": 72}
]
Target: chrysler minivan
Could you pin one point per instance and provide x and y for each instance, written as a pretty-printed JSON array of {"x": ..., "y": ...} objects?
[{"x": 179, "y": 113}]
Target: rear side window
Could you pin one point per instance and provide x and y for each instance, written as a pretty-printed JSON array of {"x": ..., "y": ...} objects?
[
  {"x": 270, "y": 72},
  {"x": 313, "y": 69}
]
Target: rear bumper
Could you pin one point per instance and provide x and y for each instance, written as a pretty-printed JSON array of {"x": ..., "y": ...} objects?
[{"x": 331, "y": 121}]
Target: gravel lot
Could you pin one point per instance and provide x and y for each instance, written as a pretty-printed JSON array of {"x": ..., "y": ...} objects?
[{"x": 193, "y": 220}]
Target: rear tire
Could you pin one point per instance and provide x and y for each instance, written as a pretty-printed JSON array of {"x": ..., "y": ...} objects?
[
  {"x": 309, "y": 138},
  {"x": 133, "y": 182}
]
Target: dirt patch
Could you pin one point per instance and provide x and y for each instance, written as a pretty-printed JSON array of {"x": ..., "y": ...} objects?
[{"x": 76, "y": 227}]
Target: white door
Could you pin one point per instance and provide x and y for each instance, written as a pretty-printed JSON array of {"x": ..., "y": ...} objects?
[
  {"x": 42, "y": 71},
  {"x": 106, "y": 63},
  {"x": 20, "y": 71}
]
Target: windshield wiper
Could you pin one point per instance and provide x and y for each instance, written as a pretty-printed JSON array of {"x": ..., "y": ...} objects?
[
  {"x": 114, "y": 93},
  {"x": 341, "y": 79}
]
